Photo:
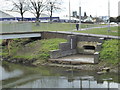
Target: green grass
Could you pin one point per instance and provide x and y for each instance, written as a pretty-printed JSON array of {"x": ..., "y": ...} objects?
[
  {"x": 110, "y": 52},
  {"x": 64, "y": 27},
  {"x": 59, "y": 26},
  {"x": 28, "y": 49},
  {"x": 71, "y": 27},
  {"x": 103, "y": 31},
  {"x": 53, "y": 27},
  {"x": 0, "y": 41}
]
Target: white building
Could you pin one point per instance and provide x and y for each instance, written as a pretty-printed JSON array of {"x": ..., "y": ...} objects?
[
  {"x": 5, "y": 15},
  {"x": 10, "y": 15}
]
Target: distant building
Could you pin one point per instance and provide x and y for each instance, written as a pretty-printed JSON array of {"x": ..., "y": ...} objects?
[
  {"x": 119, "y": 8},
  {"x": 5, "y": 17},
  {"x": 104, "y": 18},
  {"x": 66, "y": 19},
  {"x": 74, "y": 13},
  {"x": 87, "y": 19},
  {"x": 11, "y": 16}
]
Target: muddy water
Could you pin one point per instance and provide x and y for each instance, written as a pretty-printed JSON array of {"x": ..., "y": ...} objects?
[{"x": 18, "y": 76}]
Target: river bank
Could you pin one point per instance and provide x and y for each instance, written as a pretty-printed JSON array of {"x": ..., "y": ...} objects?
[
  {"x": 21, "y": 76},
  {"x": 33, "y": 52}
]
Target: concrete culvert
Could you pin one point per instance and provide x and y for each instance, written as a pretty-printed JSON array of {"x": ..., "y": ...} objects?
[{"x": 89, "y": 47}]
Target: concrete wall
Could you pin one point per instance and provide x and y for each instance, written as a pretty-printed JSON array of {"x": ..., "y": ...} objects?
[
  {"x": 81, "y": 50},
  {"x": 74, "y": 45},
  {"x": 65, "y": 49},
  {"x": 89, "y": 39},
  {"x": 49, "y": 35}
]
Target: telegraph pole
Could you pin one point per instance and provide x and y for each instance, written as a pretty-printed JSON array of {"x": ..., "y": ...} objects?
[
  {"x": 80, "y": 17},
  {"x": 69, "y": 12},
  {"x": 108, "y": 16}
]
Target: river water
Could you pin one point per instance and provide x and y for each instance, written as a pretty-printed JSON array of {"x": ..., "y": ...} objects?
[{"x": 19, "y": 76}]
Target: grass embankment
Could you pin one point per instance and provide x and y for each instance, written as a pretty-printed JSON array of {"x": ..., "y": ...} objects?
[
  {"x": 114, "y": 31},
  {"x": 39, "y": 50},
  {"x": 30, "y": 49},
  {"x": 109, "y": 54}
]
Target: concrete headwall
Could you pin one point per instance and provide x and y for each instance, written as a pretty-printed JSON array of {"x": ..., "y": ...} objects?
[
  {"x": 65, "y": 49},
  {"x": 49, "y": 35},
  {"x": 75, "y": 45}
]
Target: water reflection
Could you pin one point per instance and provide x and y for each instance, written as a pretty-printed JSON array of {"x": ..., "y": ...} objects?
[
  {"x": 6, "y": 74},
  {"x": 60, "y": 82},
  {"x": 24, "y": 77}
]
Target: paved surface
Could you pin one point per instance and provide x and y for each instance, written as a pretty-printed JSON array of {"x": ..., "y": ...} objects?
[
  {"x": 89, "y": 28},
  {"x": 76, "y": 59}
]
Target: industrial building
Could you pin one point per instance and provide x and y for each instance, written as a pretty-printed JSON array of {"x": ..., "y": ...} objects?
[{"x": 11, "y": 16}]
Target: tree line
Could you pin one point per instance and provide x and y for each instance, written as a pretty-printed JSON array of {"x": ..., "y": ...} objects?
[
  {"x": 113, "y": 19},
  {"x": 36, "y": 7}
]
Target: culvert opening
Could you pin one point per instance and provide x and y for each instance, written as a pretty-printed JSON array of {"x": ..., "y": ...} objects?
[{"x": 89, "y": 47}]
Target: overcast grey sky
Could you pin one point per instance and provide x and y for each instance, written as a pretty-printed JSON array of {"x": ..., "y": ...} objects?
[{"x": 91, "y": 7}]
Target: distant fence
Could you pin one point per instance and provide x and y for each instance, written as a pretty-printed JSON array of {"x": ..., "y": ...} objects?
[{"x": 9, "y": 27}]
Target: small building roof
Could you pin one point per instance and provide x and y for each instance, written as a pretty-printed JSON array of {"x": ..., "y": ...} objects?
[
  {"x": 11, "y": 14},
  {"x": 5, "y": 15}
]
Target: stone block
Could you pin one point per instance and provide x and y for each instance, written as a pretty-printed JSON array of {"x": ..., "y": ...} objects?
[
  {"x": 66, "y": 53},
  {"x": 90, "y": 39},
  {"x": 69, "y": 52},
  {"x": 98, "y": 47},
  {"x": 74, "y": 51},
  {"x": 72, "y": 39},
  {"x": 101, "y": 40},
  {"x": 96, "y": 57},
  {"x": 54, "y": 54},
  {"x": 64, "y": 46}
]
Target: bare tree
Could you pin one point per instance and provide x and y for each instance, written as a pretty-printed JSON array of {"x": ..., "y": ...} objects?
[
  {"x": 53, "y": 5},
  {"x": 20, "y": 6},
  {"x": 37, "y": 7}
]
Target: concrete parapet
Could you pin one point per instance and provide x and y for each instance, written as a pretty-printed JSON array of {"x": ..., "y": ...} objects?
[
  {"x": 68, "y": 52},
  {"x": 76, "y": 44},
  {"x": 96, "y": 57},
  {"x": 64, "y": 46},
  {"x": 55, "y": 54},
  {"x": 65, "y": 49},
  {"x": 98, "y": 47},
  {"x": 90, "y": 39},
  {"x": 101, "y": 40},
  {"x": 72, "y": 39}
]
